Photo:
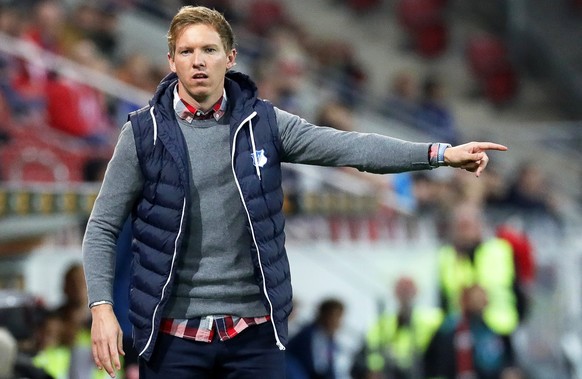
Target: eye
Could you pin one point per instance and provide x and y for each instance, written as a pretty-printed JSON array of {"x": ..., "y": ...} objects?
[
  {"x": 210, "y": 49},
  {"x": 184, "y": 52}
]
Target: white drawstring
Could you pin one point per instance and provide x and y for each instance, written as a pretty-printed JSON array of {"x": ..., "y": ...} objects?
[
  {"x": 255, "y": 157},
  {"x": 155, "y": 125}
]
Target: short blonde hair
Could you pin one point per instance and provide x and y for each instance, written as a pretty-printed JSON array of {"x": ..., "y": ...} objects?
[{"x": 195, "y": 15}]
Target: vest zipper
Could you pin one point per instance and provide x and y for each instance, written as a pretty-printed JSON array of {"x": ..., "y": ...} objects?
[{"x": 248, "y": 119}]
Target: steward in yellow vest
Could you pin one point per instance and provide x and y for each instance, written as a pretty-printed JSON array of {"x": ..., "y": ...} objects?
[
  {"x": 396, "y": 343},
  {"x": 469, "y": 261}
]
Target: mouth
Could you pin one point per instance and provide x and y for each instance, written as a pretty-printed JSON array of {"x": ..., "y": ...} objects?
[{"x": 199, "y": 76}]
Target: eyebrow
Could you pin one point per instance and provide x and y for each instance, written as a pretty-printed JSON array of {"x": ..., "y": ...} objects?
[{"x": 183, "y": 47}]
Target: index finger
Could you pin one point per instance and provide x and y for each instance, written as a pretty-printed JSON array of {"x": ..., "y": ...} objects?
[{"x": 491, "y": 146}]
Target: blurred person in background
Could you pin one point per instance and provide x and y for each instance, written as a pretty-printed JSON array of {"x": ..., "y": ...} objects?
[
  {"x": 470, "y": 258},
  {"x": 199, "y": 171},
  {"x": 74, "y": 310},
  {"x": 397, "y": 342},
  {"x": 434, "y": 115},
  {"x": 62, "y": 352},
  {"x": 79, "y": 109},
  {"x": 65, "y": 350},
  {"x": 25, "y": 101},
  {"x": 14, "y": 364},
  {"x": 466, "y": 347},
  {"x": 135, "y": 69},
  {"x": 402, "y": 100},
  {"x": 8, "y": 352},
  {"x": 530, "y": 193},
  {"x": 45, "y": 31},
  {"x": 314, "y": 347}
]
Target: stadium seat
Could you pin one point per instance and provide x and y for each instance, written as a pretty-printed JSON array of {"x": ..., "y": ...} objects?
[
  {"x": 486, "y": 54},
  {"x": 416, "y": 14},
  {"x": 264, "y": 14},
  {"x": 431, "y": 40},
  {"x": 43, "y": 155},
  {"x": 501, "y": 86}
]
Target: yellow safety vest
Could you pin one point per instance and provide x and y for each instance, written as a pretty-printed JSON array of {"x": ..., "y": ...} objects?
[
  {"x": 401, "y": 344},
  {"x": 56, "y": 360},
  {"x": 493, "y": 269}
]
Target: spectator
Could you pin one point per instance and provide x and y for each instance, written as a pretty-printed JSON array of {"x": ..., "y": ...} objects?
[
  {"x": 93, "y": 21},
  {"x": 46, "y": 32},
  {"x": 75, "y": 296},
  {"x": 79, "y": 109},
  {"x": 402, "y": 100},
  {"x": 530, "y": 192},
  {"x": 24, "y": 100},
  {"x": 8, "y": 352},
  {"x": 13, "y": 363},
  {"x": 340, "y": 69},
  {"x": 314, "y": 347},
  {"x": 466, "y": 347},
  {"x": 397, "y": 342},
  {"x": 434, "y": 115},
  {"x": 469, "y": 258},
  {"x": 65, "y": 349},
  {"x": 137, "y": 70},
  {"x": 336, "y": 115}
]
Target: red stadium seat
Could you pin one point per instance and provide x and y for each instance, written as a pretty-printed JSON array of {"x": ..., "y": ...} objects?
[
  {"x": 417, "y": 14},
  {"x": 486, "y": 54},
  {"x": 264, "y": 14},
  {"x": 431, "y": 40},
  {"x": 40, "y": 154},
  {"x": 501, "y": 86}
]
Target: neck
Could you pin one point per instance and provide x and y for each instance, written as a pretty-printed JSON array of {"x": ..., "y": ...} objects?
[{"x": 203, "y": 103}]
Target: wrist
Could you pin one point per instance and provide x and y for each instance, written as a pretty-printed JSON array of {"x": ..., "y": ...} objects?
[
  {"x": 437, "y": 154},
  {"x": 442, "y": 160},
  {"x": 100, "y": 303}
]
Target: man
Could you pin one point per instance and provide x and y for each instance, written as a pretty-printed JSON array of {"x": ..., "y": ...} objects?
[
  {"x": 472, "y": 259},
  {"x": 465, "y": 347},
  {"x": 396, "y": 343},
  {"x": 314, "y": 347},
  {"x": 199, "y": 171}
]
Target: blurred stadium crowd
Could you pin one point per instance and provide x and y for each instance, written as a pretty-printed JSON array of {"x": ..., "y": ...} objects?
[{"x": 66, "y": 87}]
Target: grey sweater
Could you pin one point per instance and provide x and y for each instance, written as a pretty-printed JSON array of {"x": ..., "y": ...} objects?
[{"x": 215, "y": 275}]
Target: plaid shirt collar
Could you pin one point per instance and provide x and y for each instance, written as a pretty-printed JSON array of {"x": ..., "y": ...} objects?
[{"x": 189, "y": 113}]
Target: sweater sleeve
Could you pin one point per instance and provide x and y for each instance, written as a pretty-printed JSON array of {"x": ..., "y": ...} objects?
[
  {"x": 120, "y": 188},
  {"x": 306, "y": 143}
]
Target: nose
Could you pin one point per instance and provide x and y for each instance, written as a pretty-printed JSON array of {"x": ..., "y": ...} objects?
[{"x": 198, "y": 59}]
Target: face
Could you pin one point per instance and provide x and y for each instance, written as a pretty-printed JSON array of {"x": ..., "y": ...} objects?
[
  {"x": 467, "y": 228},
  {"x": 200, "y": 61}
]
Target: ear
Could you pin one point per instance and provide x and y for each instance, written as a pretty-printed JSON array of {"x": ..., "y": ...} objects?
[
  {"x": 231, "y": 59},
  {"x": 171, "y": 63}
]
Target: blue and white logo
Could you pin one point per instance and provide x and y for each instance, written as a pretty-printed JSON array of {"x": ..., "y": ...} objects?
[{"x": 259, "y": 158}]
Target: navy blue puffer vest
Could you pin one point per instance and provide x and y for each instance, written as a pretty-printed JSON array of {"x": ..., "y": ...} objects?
[{"x": 160, "y": 217}]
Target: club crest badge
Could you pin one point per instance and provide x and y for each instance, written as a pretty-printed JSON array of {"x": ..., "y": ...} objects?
[{"x": 259, "y": 158}]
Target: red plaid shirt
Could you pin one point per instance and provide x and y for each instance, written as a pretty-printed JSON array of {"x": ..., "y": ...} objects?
[
  {"x": 190, "y": 113},
  {"x": 202, "y": 329}
]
